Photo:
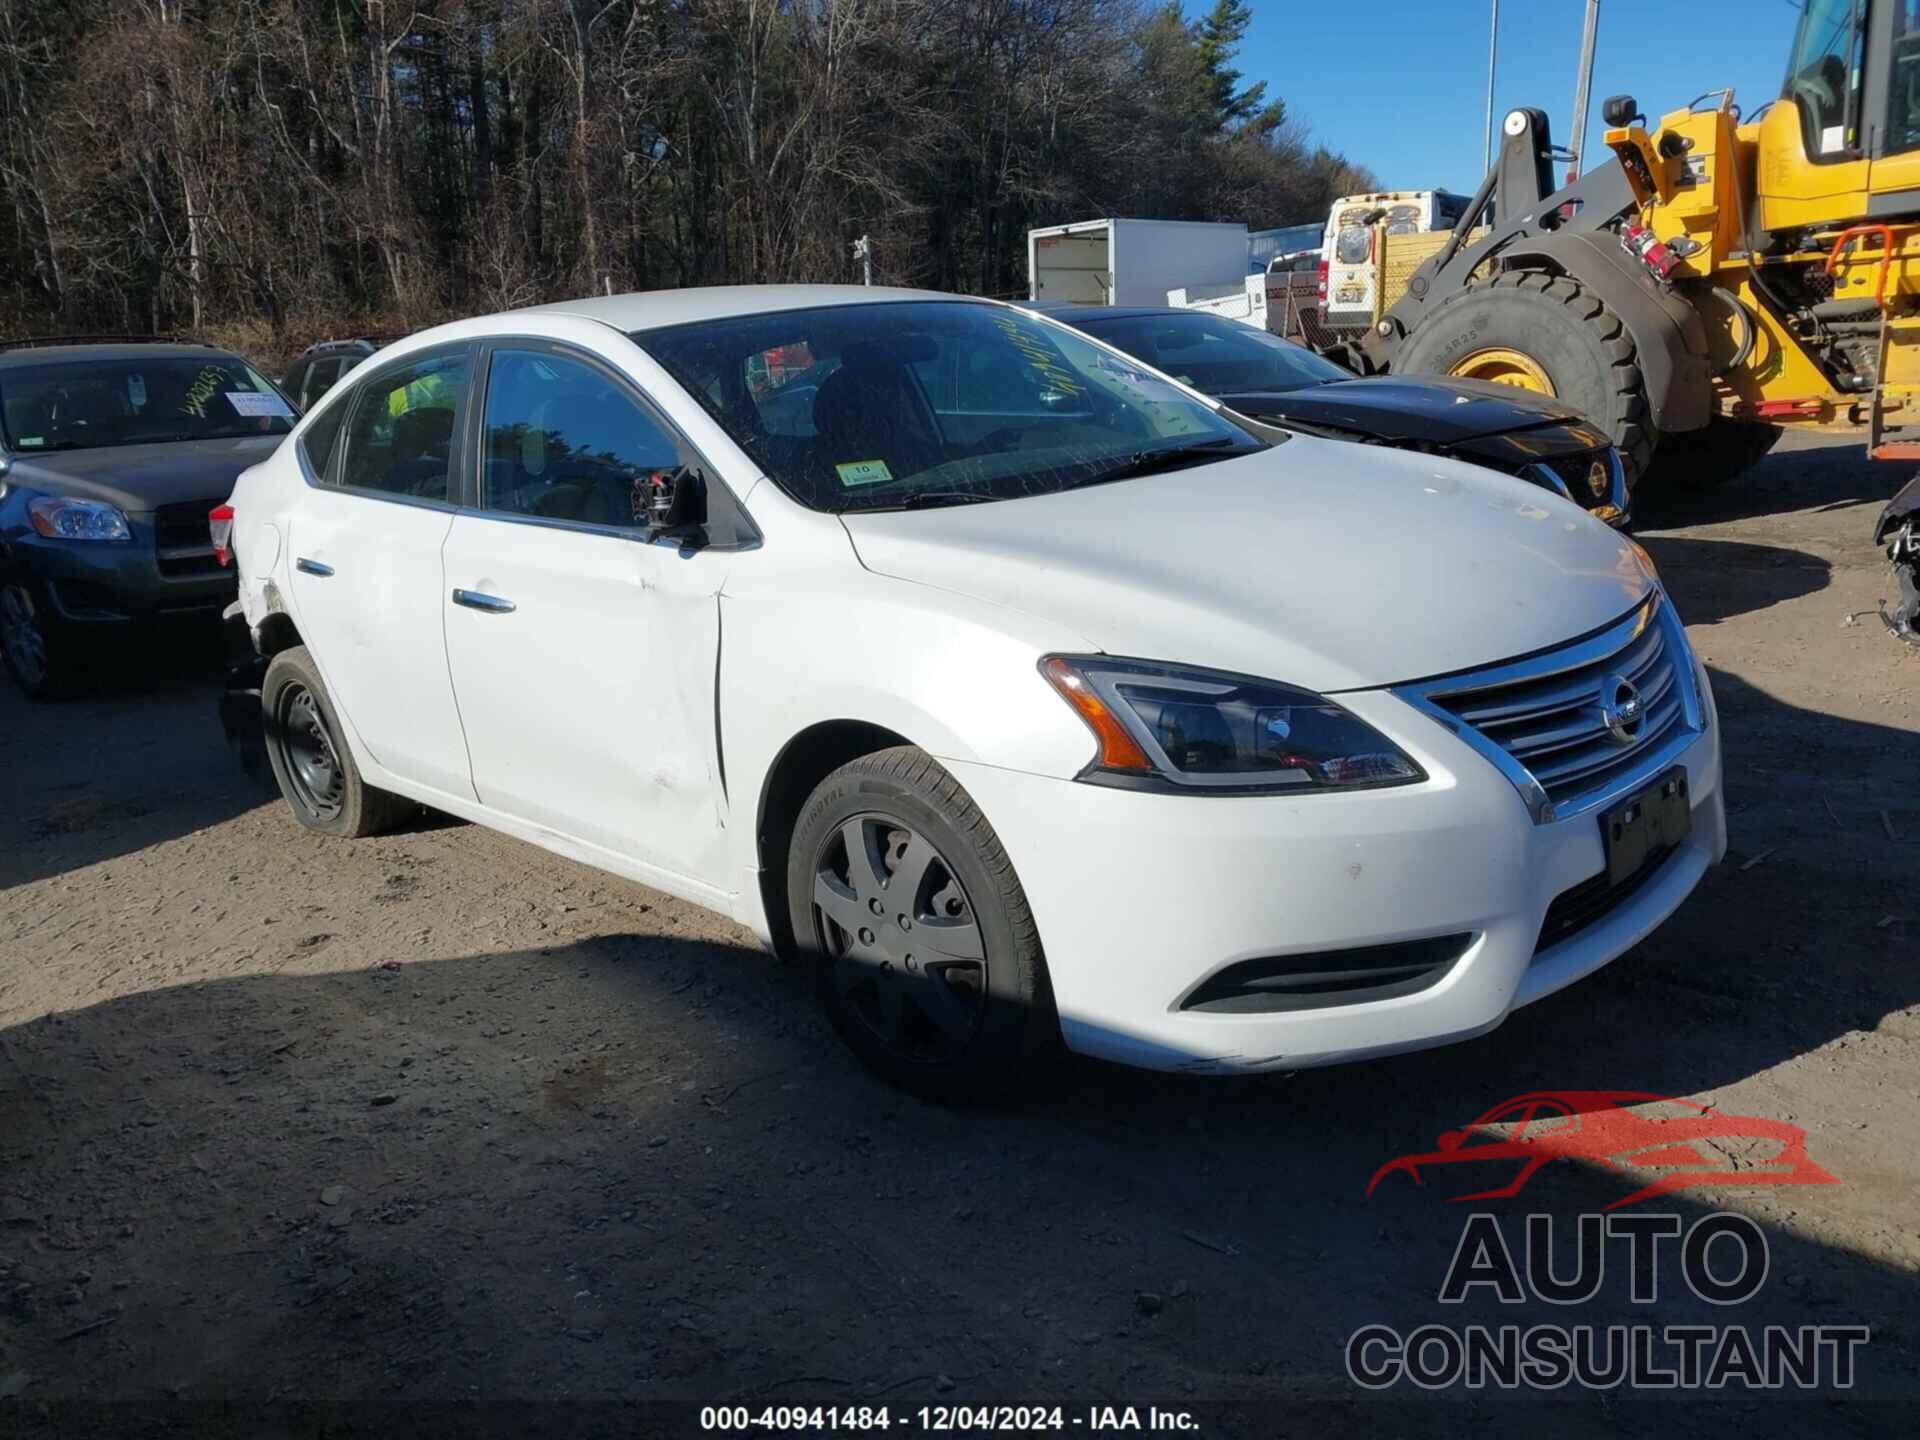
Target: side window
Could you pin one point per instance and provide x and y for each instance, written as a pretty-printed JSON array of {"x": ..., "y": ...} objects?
[
  {"x": 316, "y": 445},
  {"x": 400, "y": 439},
  {"x": 564, "y": 442},
  {"x": 1823, "y": 77},
  {"x": 1903, "y": 80},
  {"x": 320, "y": 379}
]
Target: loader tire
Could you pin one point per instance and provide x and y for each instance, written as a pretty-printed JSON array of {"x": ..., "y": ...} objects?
[{"x": 1561, "y": 332}]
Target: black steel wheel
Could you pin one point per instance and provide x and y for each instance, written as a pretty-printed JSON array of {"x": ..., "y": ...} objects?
[
  {"x": 927, "y": 958},
  {"x": 316, "y": 782},
  {"x": 311, "y": 761}
]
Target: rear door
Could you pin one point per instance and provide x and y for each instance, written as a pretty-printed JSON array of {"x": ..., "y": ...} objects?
[
  {"x": 366, "y": 567},
  {"x": 584, "y": 657}
]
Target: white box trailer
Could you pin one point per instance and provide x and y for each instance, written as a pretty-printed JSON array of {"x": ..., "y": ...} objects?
[{"x": 1131, "y": 262}]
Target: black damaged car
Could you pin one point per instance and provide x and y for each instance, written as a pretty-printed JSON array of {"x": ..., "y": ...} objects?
[
  {"x": 1534, "y": 437},
  {"x": 112, "y": 455}
]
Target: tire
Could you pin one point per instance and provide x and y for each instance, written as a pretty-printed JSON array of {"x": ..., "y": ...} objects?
[
  {"x": 1707, "y": 458},
  {"x": 38, "y": 651},
  {"x": 311, "y": 762},
  {"x": 954, "y": 1005},
  {"x": 1579, "y": 343}
]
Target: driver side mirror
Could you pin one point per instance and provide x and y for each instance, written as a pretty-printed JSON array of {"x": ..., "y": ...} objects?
[{"x": 675, "y": 504}]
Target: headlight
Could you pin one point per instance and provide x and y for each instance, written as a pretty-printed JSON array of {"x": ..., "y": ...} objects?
[
  {"x": 1209, "y": 731},
  {"x": 59, "y": 518}
]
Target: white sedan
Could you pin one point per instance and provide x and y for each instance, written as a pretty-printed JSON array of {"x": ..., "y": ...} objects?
[{"x": 1022, "y": 691}]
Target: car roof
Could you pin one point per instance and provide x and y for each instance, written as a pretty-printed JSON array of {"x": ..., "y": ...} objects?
[
  {"x": 651, "y": 309},
  {"x": 43, "y": 354}
]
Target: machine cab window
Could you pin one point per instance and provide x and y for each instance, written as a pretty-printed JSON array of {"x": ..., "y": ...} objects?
[{"x": 1824, "y": 75}]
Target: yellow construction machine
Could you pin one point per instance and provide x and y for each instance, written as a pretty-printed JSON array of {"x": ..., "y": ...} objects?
[{"x": 1719, "y": 277}]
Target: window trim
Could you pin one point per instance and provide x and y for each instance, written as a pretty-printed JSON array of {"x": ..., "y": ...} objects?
[
  {"x": 476, "y": 444},
  {"x": 356, "y": 392}
]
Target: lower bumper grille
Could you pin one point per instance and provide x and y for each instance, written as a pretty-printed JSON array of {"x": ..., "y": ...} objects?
[
  {"x": 1581, "y": 906},
  {"x": 1327, "y": 977}
]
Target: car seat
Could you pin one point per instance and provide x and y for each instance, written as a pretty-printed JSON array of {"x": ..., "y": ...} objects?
[{"x": 871, "y": 408}]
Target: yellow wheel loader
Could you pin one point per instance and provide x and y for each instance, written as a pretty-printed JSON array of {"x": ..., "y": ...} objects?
[{"x": 1717, "y": 278}]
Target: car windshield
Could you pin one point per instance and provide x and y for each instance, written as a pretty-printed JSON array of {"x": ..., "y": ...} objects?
[
  {"x": 893, "y": 405},
  {"x": 1219, "y": 356},
  {"x": 88, "y": 404}
]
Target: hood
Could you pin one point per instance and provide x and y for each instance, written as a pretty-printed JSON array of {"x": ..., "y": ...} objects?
[
  {"x": 142, "y": 477},
  {"x": 1316, "y": 563},
  {"x": 1408, "y": 407}
]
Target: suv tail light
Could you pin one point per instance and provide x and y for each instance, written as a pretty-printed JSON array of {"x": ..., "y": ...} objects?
[
  {"x": 1323, "y": 282},
  {"x": 220, "y": 523}
]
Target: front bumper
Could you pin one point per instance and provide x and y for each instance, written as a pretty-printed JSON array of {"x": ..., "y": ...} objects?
[
  {"x": 115, "y": 582},
  {"x": 1142, "y": 898}
]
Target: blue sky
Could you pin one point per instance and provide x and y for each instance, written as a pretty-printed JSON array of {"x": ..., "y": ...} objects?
[{"x": 1400, "y": 85}]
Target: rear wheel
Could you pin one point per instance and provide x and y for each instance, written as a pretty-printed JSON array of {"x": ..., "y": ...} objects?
[
  {"x": 1547, "y": 334},
  {"x": 316, "y": 772},
  {"x": 926, "y": 954}
]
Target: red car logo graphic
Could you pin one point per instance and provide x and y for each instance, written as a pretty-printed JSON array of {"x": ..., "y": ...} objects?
[{"x": 1675, "y": 1144}]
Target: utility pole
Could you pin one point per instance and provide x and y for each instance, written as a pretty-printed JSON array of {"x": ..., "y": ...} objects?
[
  {"x": 1580, "y": 90},
  {"x": 1493, "y": 45},
  {"x": 863, "y": 252}
]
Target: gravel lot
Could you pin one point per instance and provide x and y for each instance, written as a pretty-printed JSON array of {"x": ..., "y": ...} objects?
[{"x": 303, "y": 1137}]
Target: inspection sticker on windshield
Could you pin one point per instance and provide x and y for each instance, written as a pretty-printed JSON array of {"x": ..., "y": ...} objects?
[
  {"x": 257, "y": 405},
  {"x": 863, "y": 472}
]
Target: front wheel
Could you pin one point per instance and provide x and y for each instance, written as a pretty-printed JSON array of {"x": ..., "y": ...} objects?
[
  {"x": 316, "y": 772},
  {"x": 927, "y": 958},
  {"x": 38, "y": 653}
]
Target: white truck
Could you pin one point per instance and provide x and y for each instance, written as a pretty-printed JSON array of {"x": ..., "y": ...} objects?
[
  {"x": 1132, "y": 262},
  {"x": 1247, "y": 302}
]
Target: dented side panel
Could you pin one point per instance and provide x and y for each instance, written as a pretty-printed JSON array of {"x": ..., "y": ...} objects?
[{"x": 588, "y": 708}]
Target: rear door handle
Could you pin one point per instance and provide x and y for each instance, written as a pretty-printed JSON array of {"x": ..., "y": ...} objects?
[
  {"x": 312, "y": 567},
  {"x": 474, "y": 600}
]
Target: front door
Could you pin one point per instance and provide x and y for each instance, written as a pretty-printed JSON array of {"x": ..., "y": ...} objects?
[
  {"x": 366, "y": 569},
  {"x": 583, "y": 656}
]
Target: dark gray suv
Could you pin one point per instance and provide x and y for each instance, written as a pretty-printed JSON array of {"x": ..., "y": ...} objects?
[{"x": 112, "y": 455}]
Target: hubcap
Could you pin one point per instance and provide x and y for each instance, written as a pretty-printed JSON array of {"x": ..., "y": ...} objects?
[
  {"x": 26, "y": 647},
  {"x": 901, "y": 936},
  {"x": 1505, "y": 367},
  {"x": 313, "y": 765}
]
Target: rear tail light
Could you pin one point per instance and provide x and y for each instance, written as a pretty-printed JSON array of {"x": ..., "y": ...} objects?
[
  {"x": 220, "y": 522},
  {"x": 1323, "y": 282}
]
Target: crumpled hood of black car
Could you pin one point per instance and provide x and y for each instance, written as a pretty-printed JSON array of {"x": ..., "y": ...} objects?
[{"x": 1407, "y": 408}]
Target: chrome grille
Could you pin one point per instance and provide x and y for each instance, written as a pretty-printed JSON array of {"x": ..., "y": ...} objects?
[{"x": 1560, "y": 725}]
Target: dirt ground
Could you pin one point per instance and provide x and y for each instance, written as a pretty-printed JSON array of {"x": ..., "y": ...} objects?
[{"x": 436, "y": 1132}]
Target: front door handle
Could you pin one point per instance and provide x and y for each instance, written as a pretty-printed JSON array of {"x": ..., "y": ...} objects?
[
  {"x": 491, "y": 604},
  {"x": 312, "y": 567}
]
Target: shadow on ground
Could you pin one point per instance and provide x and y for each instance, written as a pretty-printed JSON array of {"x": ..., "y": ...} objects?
[
  {"x": 136, "y": 756},
  {"x": 318, "y": 1203},
  {"x": 1714, "y": 580},
  {"x": 1827, "y": 474}
]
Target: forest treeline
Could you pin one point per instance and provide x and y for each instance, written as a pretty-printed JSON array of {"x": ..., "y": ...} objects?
[{"x": 288, "y": 167}]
